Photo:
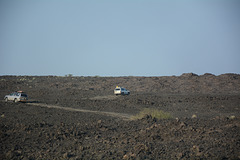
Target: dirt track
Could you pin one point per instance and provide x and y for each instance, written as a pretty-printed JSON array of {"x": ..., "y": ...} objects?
[
  {"x": 112, "y": 114},
  {"x": 80, "y": 118}
]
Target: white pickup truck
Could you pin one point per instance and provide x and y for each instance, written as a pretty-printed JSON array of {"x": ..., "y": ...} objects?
[{"x": 121, "y": 91}]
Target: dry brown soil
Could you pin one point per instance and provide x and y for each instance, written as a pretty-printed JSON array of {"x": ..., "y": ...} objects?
[{"x": 80, "y": 118}]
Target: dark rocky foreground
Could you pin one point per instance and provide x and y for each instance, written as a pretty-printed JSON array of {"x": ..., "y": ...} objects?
[{"x": 205, "y": 123}]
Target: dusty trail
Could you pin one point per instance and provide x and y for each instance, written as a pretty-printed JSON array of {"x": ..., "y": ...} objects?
[{"x": 112, "y": 114}]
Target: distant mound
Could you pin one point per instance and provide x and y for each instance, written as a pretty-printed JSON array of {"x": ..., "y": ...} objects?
[{"x": 189, "y": 75}]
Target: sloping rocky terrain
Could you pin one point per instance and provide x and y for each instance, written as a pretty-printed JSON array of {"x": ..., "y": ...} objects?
[{"x": 205, "y": 121}]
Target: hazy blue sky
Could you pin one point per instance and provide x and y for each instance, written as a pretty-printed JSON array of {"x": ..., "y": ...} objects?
[{"x": 119, "y": 37}]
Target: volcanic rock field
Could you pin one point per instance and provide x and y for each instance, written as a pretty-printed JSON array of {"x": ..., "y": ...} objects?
[{"x": 80, "y": 118}]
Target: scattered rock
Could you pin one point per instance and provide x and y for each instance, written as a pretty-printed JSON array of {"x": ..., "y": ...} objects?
[
  {"x": 232, "y": 117},
  {"x": 194, "y": 116}
]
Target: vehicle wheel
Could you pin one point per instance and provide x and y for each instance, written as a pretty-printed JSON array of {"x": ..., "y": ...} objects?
[
  {"x": 15, "y": 100},
  {"x": 6, "y": 99}
]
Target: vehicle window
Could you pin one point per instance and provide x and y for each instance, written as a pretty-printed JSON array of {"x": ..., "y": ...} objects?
[
  {"x": 117, "y": 89},
  {"x": 23, "y": 95}
]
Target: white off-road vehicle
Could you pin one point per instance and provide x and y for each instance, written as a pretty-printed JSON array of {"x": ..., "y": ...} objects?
[
  {"x": 121, "y": 91},
  {"x": 18, "y": 96}
]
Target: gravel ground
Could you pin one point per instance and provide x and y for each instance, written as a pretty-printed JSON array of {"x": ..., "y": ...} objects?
[{"x": 80, "y": 118}]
